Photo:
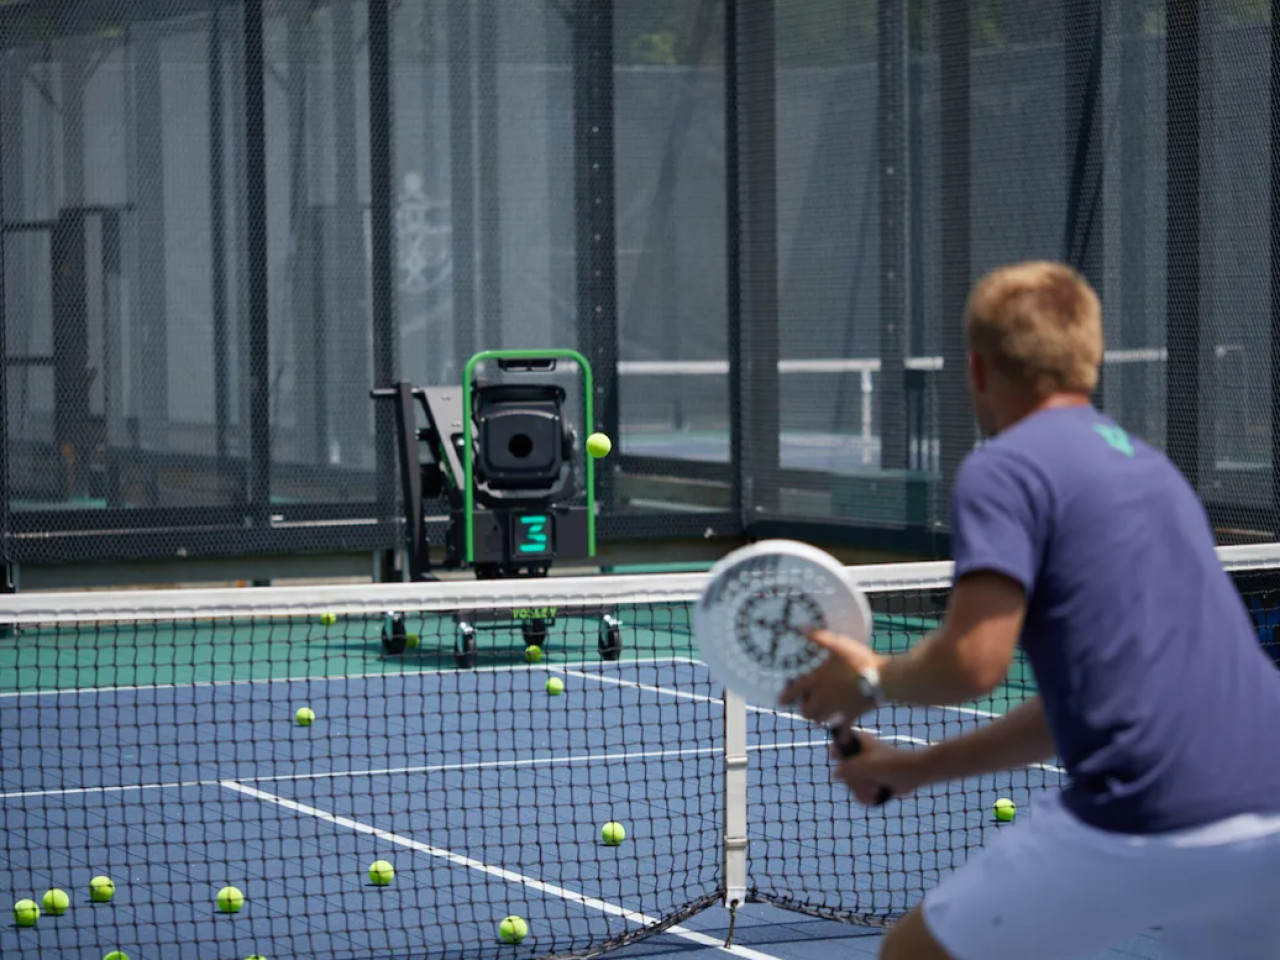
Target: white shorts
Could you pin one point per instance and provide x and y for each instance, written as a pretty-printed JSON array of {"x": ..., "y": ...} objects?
[{"x": 1052, "y": 888}]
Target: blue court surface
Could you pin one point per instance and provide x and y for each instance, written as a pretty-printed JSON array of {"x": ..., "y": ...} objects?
[{"x": 486, "y": 793}]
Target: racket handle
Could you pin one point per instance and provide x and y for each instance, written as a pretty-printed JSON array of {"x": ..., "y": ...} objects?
[{"x": 851, "y": 746}]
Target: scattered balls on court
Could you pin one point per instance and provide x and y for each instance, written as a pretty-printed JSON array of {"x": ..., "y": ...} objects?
[
  {"x": 26, "y": 913},
  {"x": 411, "y": 641},
  {"x": 230, "y": 900},
  {"x": 381, "y": 873},
  {"x": 305, "y": 716},
  {"x": 116, "y": 955},
  {"x": 513, "y": 929},
  {"x": 101, "y": 889},
  {"x": 55, "y": 902},
  {"x": 555, "y": 686},
  {"x": 533, "y": 653},
  {"x": 328, "y": 619},
  {"x": 1005, "y": 810},
  {"x": 613, "y": 833}
]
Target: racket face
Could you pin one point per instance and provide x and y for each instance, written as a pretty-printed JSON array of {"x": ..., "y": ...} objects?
[{"x": 759, "y": 604}]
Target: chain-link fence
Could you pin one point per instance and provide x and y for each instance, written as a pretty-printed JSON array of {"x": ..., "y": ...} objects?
[{"x": 223, "y": 222}]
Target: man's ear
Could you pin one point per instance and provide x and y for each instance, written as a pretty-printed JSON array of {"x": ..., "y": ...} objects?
[{"x": 977, "y": 372}]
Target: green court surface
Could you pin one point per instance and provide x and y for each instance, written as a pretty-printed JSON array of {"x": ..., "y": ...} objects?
[
  {"x": 203, "y": 651},
  {"x": 140, "y": 654}
]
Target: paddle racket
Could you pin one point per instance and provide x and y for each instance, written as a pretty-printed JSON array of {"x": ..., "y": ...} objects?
[{"x": 755, "y": 614}]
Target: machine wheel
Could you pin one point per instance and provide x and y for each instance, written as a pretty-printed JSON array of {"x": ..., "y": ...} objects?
[
  {"x": 393, "y": 634},
  {"x": 464, "y": 654},
  {"x": 610, "y": 640},
  {"x": 534, "y": 632}
]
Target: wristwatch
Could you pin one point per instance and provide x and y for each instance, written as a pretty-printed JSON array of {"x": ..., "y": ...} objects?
[{"x": 869, "y": 685}]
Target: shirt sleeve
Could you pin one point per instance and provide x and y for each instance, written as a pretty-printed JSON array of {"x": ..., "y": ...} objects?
[{"x": 999, "y": 518}]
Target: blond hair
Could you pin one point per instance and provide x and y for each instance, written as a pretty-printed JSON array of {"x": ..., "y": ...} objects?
[{"x": 1040, "y": 324}]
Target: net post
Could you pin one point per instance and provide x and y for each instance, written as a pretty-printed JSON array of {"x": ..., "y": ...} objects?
[{"x": 735, "y": 801}]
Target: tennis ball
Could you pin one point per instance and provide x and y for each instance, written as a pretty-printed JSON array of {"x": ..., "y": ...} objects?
[
  {"x": 230, "y": 900},
  {"x": 555, "y": 686},
  {"x": 55, "y": 902},
  {"x": 26, "y": 913},
  {"x": 381, "y": 873},
  {"x": 533, "y": 653},
  {"x": 116, "y": 955},
  {"x": 411, "y": 641},
  {"x": 513, "y": 929},
  {"x": 256, "y": 956},
  {"x": 305, "y": 716},
  {"x": 613, "y": 833},
  {"x": 101, "y": 889},
  {"x": 599, "y": 445},
  {"x": 1005, "y": 810},
  {"x": 328, "y": 619}
]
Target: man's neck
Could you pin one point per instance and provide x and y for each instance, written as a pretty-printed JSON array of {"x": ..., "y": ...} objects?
[{"x": 1034, "y": 405}]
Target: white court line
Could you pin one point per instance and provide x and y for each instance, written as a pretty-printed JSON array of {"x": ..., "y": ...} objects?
[
  {"x": 679, "y": 694},
  {"x": 416, "y": 770},
  {"x": 874, "y": 731},
  {"x": 507, "y": 668},
  {"x": 509, "y": 876}
]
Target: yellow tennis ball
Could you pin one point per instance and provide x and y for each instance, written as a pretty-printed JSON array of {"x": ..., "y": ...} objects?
[
  {"x": 1005, "y": 810},
  {"x": 256, "y": 956},
  {"x": 513, "y": 929},
  {"x": 230, "y": 900},
  {"x": 613, "y": 833},
  {"x": 599, "y": 445},
  {"x": 328, "y": 619},
  {"x": 381, "y": 873},
  {"x": 533, "y": 653},
  {"x": 116, "y": 955},
  {"x": 411, "y": 641},
  {"x": 101, "y": 889},
  {"x": 26, "y": 913},
  {"x": 555, "y": 686},
  {"x": 305, "y": 716},
  {"x": 55, "y": 902}
]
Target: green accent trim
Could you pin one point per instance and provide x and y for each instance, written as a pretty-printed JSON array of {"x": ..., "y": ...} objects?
[
  {"x": 588, "y": 415},
  {"x": 1116, "y": 437}
]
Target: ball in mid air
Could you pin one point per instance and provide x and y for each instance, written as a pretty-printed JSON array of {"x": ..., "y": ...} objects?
[{"x": 599, "y": 445}]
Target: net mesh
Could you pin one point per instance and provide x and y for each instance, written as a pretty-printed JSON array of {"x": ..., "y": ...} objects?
[{"x": 153, "y": 738}]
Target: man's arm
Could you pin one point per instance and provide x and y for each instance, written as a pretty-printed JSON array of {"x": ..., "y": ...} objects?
[
  {"x": 964, "y": 659},
  {"x": 970, "y": 654},
  {"x": 1018, "y": 738}
]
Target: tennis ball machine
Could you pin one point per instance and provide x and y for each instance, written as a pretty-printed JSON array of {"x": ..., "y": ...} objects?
[{"x": 501, "y": 454}]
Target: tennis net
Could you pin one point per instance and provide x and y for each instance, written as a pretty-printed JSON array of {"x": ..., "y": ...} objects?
[{"x": 153, "y": 738}]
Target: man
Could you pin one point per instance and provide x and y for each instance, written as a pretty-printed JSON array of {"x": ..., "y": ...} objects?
[{"x": 1090, "y": 549}]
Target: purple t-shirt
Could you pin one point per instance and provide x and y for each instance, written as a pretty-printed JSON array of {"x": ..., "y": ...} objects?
[{"x": 1164, "y": 709}]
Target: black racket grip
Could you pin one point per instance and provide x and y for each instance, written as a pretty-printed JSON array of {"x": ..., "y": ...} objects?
[{"x": 851, "y": 747}]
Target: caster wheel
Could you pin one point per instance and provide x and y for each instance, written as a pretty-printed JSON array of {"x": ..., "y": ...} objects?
[
  {"x": 393, "y": 634},
  {"x": 464, "y": 655},
  {"x": 610, "y": 639},
  {"x": 535, "y": 633}
]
